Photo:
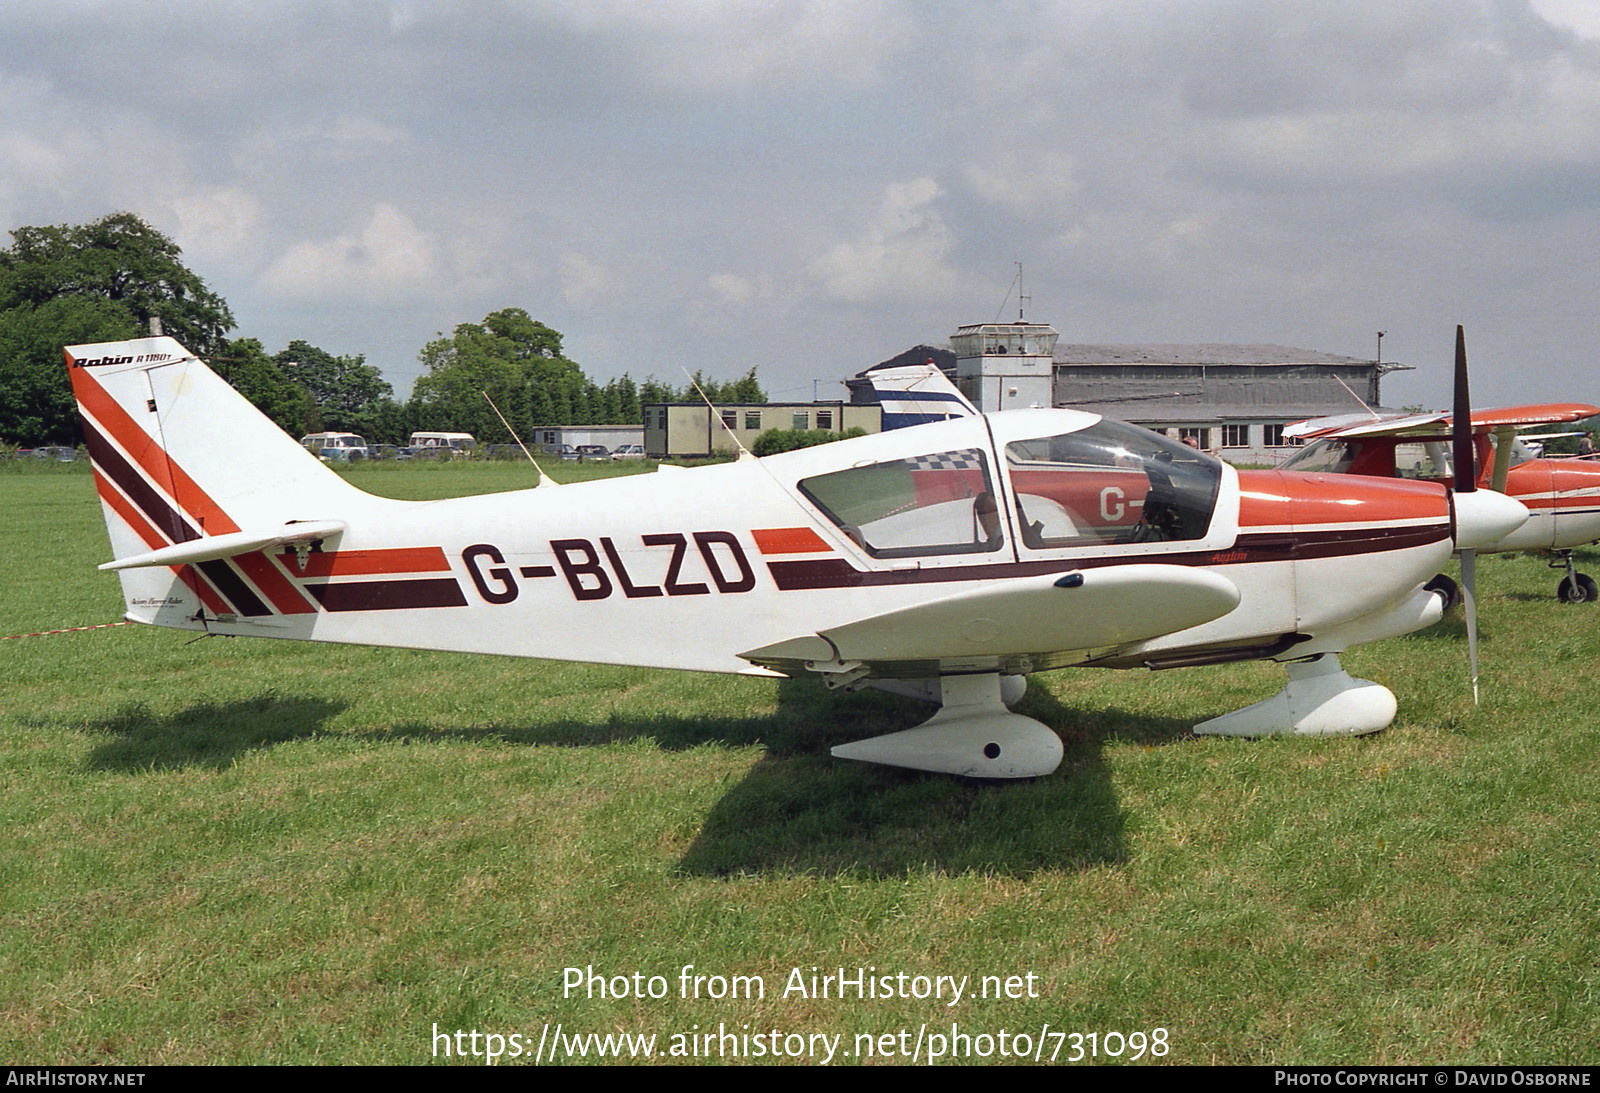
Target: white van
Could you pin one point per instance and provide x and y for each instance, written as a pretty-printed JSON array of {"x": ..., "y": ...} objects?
[
  {"x": 336, "y": 447},
  {"x": 458, "y": 443}
]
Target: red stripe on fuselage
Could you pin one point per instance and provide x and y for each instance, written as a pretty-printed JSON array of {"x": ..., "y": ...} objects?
[
  {"x": 279, "y": 590},
  {"x": 789, "y": 541},
  {"x": 352, "y": 563}
]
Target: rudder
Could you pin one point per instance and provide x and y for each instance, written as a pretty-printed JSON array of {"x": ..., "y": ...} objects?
[{"x": 180, "y": 457}]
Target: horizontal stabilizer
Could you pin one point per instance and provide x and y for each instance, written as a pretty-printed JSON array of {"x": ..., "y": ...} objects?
[{"x": 211, "y": 547}]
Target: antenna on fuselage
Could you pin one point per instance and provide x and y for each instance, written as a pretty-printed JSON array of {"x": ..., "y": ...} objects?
[{"x": 544, "y": 479}]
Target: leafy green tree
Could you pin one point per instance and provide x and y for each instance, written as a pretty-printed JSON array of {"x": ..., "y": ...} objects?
[
  {"x": 120, "y": 259},
  {"x": 346, "y": 392},
  {"x": 521, "y": 364},
  {"x": 68, "y": 285},
  {"x": 245, "y": 364},
  {"x": 36, "y": 405},
  {"x": 510, "y": 356},
  {"x": 745, "y": 389}
]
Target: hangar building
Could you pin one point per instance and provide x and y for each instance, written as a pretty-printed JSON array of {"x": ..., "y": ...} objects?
[{"x": 1232, "y": 399}]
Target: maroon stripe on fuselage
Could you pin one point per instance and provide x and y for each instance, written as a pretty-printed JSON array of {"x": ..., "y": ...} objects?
[
  {"x": 388, "y": 595},
  {"x": 1266, "y": 547}
]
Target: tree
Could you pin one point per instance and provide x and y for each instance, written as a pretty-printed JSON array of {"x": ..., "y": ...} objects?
[
  {"x": 346, "y": 393},
  {"x": 69, "y": 285},
  {"x": 121, "y": 259},
  {"x": 257, "y": 377},
  {"x": 521, "y": 364},
  {"x": 36, "y": 405},
  {"x": 510, "y": 356}
]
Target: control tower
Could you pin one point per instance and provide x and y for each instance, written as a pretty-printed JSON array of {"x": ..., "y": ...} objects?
[{"x": 1005, "y": 366}]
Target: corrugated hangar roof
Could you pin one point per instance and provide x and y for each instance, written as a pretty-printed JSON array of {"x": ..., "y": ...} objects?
[
  {"x": 1198, "y": 354},
  {"x": 1178, "y": 413}
]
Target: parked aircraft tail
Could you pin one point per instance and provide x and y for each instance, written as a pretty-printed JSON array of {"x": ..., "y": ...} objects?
[{"x": 915, "y": 394}]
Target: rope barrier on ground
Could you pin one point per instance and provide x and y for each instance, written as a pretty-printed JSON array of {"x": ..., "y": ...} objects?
[{"x": 68, "y": 630}]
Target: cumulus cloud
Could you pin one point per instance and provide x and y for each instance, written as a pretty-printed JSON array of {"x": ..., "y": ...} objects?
[
  {"x": 216, "y": 223},
  {"x": 1581, "y": 17},
  {"x": 342, "y": 139},
  {"x": 1026, "y": 181},
  {"x": 903, "y": 252},
  {"x": 1267, "y": 170},
  {"x": 390, "y": 260}
]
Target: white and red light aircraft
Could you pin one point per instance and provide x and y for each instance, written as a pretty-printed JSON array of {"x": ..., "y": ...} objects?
[
  {"x": 1562, "y": 495},
  {"x": 944, "y": 560}
]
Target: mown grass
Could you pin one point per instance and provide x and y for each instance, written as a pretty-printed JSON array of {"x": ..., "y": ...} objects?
[{"x": 227, "y": 851}]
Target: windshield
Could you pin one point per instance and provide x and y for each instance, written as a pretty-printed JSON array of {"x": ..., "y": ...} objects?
[{"x": 934, "y": 504}]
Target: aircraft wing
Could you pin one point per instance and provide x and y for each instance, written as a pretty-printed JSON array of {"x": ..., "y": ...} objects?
[
  {"x": 1437, "y": 424},
  {"x": 1048, "y": 613}
]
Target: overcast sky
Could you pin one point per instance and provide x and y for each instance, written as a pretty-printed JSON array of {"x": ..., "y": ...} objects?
[{"x": 811, "y": 187}]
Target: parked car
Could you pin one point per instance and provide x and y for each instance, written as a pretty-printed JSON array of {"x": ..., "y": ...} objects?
[
  {"x": 62, "y": 454},
  {"x": 336, "y": 447},
  {"x": 457, "y": 443},
  {"x": 629, "y": 451},
  {"x": 590, "y": 452}
]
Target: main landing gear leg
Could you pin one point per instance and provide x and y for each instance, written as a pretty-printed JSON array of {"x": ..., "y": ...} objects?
[
  {"x": 1575, "y": 587},
  {"x": 1320, "y": 699},
  {"x": 973, "y": 735}
]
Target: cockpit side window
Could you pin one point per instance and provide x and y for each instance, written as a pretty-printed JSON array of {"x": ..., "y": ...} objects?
[
  {"x": 1427, "y": 459},
  {"x": 941, "y": 503},
  {"x": 1322, "y": 457},
  {"x": 1111, "y": 483},
  {"x": 1520, "y": 452}
]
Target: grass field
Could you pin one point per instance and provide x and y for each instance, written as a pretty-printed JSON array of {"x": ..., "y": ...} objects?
[{"x": 230, "y": 851}]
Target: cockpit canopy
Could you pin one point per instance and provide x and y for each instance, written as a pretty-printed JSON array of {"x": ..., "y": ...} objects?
[
  {"x": 1103, "y": 483},
  {"x": 1395, "y": 457}
]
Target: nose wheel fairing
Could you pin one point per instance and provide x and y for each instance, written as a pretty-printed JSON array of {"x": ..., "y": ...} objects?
[{"x": 1320, "y": 699}]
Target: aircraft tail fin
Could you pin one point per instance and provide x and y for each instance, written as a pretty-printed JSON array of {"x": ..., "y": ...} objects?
[
  {"x": 197, "y": 485},
  {"x": 915, "y": 394}
]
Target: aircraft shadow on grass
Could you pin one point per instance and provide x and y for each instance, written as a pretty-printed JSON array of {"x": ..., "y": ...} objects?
[
  {"x": 797, "y": 810},
  {"x": 209, "y": 735}
]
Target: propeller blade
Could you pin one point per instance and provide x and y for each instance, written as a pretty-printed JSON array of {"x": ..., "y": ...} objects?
[
  {"x": 1466, "y": 482},
  {"x": 1461, "y": 447}
]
